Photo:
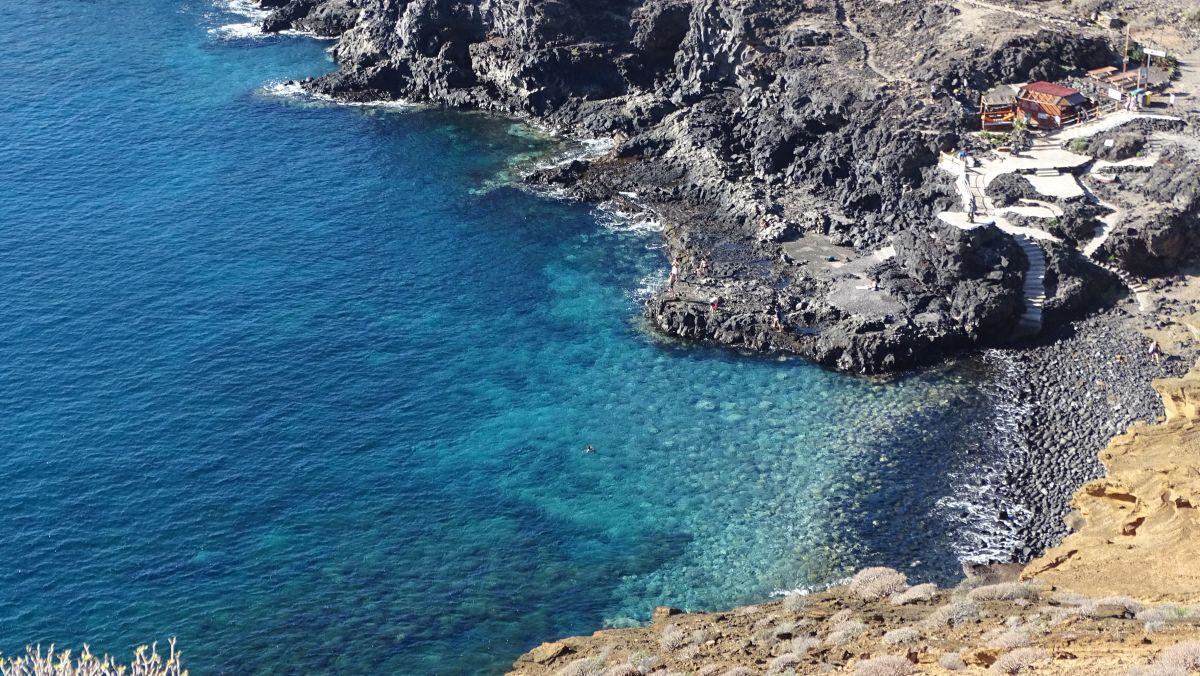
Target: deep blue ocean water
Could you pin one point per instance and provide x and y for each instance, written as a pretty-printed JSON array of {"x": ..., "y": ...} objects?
[{"x": 306, "y": 385}]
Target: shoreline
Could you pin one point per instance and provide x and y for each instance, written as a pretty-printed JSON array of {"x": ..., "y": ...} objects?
[{"x": 1083, "y": 380}]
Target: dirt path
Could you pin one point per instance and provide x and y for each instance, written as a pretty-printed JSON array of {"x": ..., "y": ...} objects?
[{"x": 867, "y": 43}]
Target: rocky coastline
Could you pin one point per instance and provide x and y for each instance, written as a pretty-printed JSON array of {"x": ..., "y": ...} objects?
[
  {"x": 791, "y": 150},
  {"x": 782, "y": 161}
]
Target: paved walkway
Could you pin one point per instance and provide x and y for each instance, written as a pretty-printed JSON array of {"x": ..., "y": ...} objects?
[{"x": 1047, "y": 161}]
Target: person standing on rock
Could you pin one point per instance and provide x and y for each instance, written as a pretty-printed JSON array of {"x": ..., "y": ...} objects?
[
  {"x": 1171, "y": 101},
  {"x": 703, "y": 267},
  {"x": 714, "y": 304},
  {"x": 971, "y": 210},
  {"x": 1154, "y": 352},
  {"x": 674, "y": 276}
]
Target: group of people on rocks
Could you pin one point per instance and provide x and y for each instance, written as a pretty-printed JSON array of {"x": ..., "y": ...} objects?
[{"x": 677, "y": 270}]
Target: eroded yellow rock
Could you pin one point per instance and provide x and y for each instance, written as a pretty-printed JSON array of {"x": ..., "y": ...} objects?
[{"x": 1140, "y": 533}]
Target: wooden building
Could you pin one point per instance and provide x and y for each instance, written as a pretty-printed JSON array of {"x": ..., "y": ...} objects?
[
  {"x": 998, "y": 107},
  {"x": 1046, "y": 104}
]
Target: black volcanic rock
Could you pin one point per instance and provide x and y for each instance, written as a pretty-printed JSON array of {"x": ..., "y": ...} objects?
[{"x": 742, "y": 124}]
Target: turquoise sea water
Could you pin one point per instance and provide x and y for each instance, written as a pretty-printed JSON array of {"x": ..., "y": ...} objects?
[{"x": 306, "y": 385}]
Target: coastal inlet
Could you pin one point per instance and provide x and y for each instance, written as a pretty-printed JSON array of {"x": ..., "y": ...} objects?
[{"x": 289, "y": 382}]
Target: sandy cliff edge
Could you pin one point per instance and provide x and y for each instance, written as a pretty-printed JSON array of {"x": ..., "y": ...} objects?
[{"x": 1139, "y": 528}]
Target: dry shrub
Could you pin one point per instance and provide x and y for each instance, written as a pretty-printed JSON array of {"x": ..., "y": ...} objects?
[
  {"x": 901, "y": 636},
  {"x": 740, "y": 671},
  {"x": 1168, "y": 612},
  {"x": 884, "y": 665},
  {"x": 1183, "y": 656},
  {"x": 952, "y": 614},
  {"x": 1131, "y": 606},
  {"x": 1019, "y": 660},
  {"x": 673, "y": 638},
  {"x": 650, "y": 663},
  {"x": 802, "y": 645},
  {"x": 784, "y": 664},
  {"x": 918, "y": 594},
  {"x": 952, "y": 662},
  {"x": 146, "y": 662},
  {"x": 770, "y": 634},
  {"x": 1004, "y": 591},
  {"x": 1013, "y": 638},
  {"x": 622, "y": 670},
  {"x": 872, "y": 584},
  {"x": 840, "y": 616},
  {"x": 794, "y": 603},
  {"x": 588, "y": 666},
  {"x": 845, "y": 632},
  {"x": 710, "y": 670}
]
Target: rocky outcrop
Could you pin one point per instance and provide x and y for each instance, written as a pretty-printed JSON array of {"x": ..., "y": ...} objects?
[
  {"x": 1162, "y": 228},
  {"x": 732, "y": 119},
  {"x": 879, "y": 625},
  {"x": 1137, "y": 530}
]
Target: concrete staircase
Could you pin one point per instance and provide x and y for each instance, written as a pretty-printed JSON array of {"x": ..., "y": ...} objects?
[
  {"x": 1030, "y": 323},
  {"x": 1141, "y": 292}
]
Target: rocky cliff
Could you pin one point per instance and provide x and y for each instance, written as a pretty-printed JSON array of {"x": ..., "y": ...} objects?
[{"x": 777, "y": 140}]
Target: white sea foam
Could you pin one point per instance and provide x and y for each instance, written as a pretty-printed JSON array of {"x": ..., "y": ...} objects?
[
  {"x": 238, "y": 31},
  {"x": 627, "y": 216},
  {"x": 246, "y": 8},
  {"x": 293, "y": 90},
  {"x": 647, "y": 285}
]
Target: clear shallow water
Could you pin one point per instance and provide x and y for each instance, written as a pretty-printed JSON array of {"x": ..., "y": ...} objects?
[{"x": 301, "y": 385}]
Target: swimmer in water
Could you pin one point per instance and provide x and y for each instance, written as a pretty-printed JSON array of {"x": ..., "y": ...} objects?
[{"x": 589, "y": 449}]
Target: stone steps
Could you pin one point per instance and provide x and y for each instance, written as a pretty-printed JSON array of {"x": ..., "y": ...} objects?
[
  {"x": 1141, "y": 292},
  {"x": 1030, "y": 323}
]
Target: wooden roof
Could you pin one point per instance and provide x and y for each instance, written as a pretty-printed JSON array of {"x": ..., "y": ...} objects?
[{"x": 1052, "y": 94}]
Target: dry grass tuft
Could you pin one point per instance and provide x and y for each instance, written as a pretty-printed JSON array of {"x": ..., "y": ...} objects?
[
  {"x": 673, "y": 638},
  {"x": 885, "y": 665},
  {"x": 952, "y": 614},
  {"x": 146, "y": 662},
  {"x": 784, "y": 664},
  {"x": 1004, "y": 591},
  {"x": 843, "y": 633},
  {"x": 794, "y": 603},
  {"x": 802, "y": 645},
  {"x": 588, "y": 666},
  {"x": 622, "y": 670},
  {"x": 872, "y": 584},
  {"x": 1183, "y": 656},
  {"x": 840, "y": 616},
  {"x": 1019, "y": 660},
  {"x": 952, "y": 662},
  {"x": 740, "y": 671},
  {"x": 901, "y": 636},
  {"x": 1099, "y": 607},
  {"x": 1013, "y": 638},
  {"x": 918, "y": 594}
]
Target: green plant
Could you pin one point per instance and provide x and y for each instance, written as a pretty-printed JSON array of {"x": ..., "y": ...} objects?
[
  {"x": 993, "y": 138},
  {"x": 1078, "y": 145}
]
